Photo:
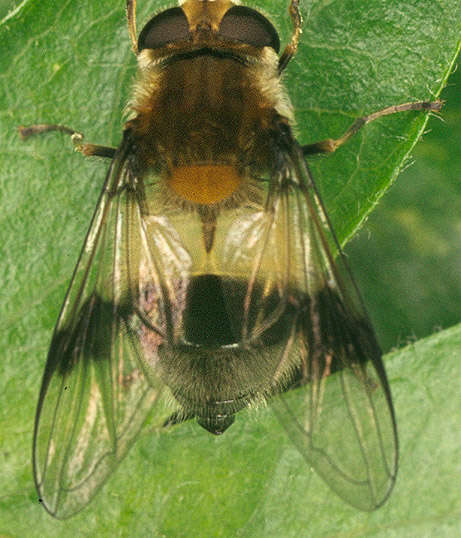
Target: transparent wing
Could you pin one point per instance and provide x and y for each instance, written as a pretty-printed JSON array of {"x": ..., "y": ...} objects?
[
  {"x": 339, "y": 413},
  {"x": 94, "y": 397}
]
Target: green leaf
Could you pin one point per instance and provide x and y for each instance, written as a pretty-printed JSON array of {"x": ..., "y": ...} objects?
[
  {"x": 70, "y": 62},
  {"x": 407, "y": 258}
]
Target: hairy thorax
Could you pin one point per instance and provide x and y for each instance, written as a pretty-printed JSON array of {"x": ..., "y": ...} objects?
[{"x": 187, "y": 131}]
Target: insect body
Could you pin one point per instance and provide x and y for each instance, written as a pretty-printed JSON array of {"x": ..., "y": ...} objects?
[{"x": 210, "y": 279}]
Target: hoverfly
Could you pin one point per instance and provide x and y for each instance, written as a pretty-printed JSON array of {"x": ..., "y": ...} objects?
[{"x": 210, "y": 279}]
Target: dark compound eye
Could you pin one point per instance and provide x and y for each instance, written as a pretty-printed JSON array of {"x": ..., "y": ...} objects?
[
  {"x": 169, "y": 26},
  {"x": 248, "y": 26}
]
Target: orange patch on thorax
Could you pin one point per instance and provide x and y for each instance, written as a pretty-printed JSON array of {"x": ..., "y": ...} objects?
[{"x": 204, "y": 184}]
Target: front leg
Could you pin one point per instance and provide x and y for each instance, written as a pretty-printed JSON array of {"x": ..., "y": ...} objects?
[
  {"x": 89, "y": 150},
  {"x": 329, "y": 145},
  {"x": 292, "y": 47}
]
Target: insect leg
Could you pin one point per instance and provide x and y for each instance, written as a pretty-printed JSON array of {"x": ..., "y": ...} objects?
[
  {"x": 178, "y": 417},
  {"x": 329, "y": 145},
  {"x": 131, "y": 18},
  {"x": 292, "y": 47},
  {"x": 89, "y": 150}
]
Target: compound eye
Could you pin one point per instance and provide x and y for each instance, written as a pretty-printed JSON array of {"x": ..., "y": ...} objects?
[
  {"x": 248, "y": 26},
  {"x": 170, "y": 26}
]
